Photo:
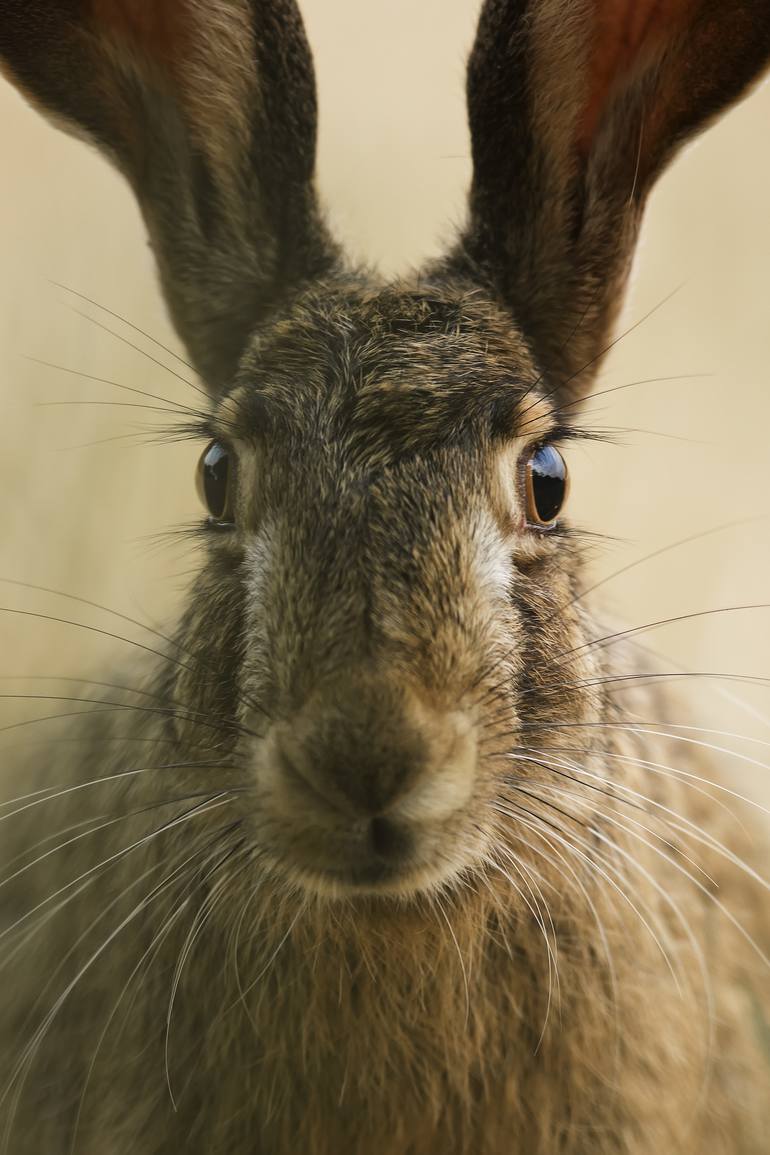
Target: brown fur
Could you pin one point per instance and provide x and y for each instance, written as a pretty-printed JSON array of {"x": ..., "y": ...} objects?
[{"x": 382, "y": 855}]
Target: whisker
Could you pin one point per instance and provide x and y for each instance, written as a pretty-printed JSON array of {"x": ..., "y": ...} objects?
[
  {"x": 643, "y": 728},
  {"x": 24, "y": 1063},
  {"x": 125, "y": 321},
  {"x": 138, "y": 349},
  {"x": 107, "y": 822},
  {"x": 602, "y": 353},
  {"x": 513, "y": 811},
  {"x": 117, "y": 385},
  {"x": 599, "y": 643},
  {"x": 550, "y": 944},
  {"x": 633, "y": 385},
  {"x": 220, "y": 799},
  {"x": 659, "y": 553},
  {"x": 256, "y": 981},
  {"x": 224, "y": 726},
  {"x": 95, "y": 922},
  {"x": 654, "y": 678},
  {"x": 466, "y": 984},
  {"x": 39, "y": 616},
  {"x": 682, "y": 824},
  {"x": 201, "y": 917},
  {"x": 155, "y": 944},
  {"x": 176, "y": 410},
  {"x": 81, "y": 682},
  {"x": 144, "y": 436},
  {"x": 604, "y": 812},
  {"x": 580, "y": 885},
  {"x": 91, "y": 822},
  {"x": 120, "y": 616},
  {"x": 695, "y": 881}
]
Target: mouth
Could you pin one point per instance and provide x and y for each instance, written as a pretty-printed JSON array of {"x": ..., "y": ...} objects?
[
  {"x": 366, "y": 880},
  {"x": 378, "y": 857},
  {"x": 371, "y": 878}
]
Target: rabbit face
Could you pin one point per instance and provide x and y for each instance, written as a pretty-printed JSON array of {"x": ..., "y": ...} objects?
[
  {"x": 384, "y": 657},
  {"x": 392, "y": 604},
  {"x": 382, "y": 618}
]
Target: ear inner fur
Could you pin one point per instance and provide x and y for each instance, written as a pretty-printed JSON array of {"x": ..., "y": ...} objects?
[
  {"x": 575, "y": 106},
  {"x": 626, "y": 36},
  {"x": 155, "y": 28},
  {"x": 208, "y": 108}
]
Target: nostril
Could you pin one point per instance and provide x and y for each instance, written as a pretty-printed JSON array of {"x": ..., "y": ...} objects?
[{"x": 388, "y": 839}]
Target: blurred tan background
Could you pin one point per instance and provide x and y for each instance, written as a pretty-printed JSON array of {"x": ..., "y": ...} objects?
[{"x": 81, "y": 502}]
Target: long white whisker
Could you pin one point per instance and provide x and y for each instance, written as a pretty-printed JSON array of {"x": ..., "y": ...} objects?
[
  {"x": 201, "y": 918},
  {"x": 156, "y": 942},
  {"x": 24, "y": 1063},
  {"x": 562, "y": 837},
  {"x": 218, "y": 799},
  {"x": 680, "y": 823},
  {"x": 466, "y": 983},
  {"x": 552, "y": 969},
  {"x": 644, "y": 730}
]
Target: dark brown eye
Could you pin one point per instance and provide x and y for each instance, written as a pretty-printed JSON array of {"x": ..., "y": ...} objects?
[
  {"x": 547, "y": 485},
  {"x": 214, "y": 480}
]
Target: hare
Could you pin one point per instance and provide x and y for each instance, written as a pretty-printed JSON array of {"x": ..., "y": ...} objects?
[{"x": 368, "y": 853}]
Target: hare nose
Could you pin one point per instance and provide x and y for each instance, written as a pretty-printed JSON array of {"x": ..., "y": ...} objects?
[
  {"x": 349, "y": 772},
  {"x": 367, "y": 749}
]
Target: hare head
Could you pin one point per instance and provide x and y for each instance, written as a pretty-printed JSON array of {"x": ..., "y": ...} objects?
[{"x": 387, "y": 613}]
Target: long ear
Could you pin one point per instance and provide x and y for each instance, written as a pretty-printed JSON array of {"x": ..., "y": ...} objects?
[
  {"x": 208, "y": 108},
  {"x": 575, "y": 106}
]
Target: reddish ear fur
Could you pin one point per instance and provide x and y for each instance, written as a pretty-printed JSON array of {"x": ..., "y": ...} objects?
[
  {"x": 154, "y": 26},
  {"x": 575, "y": 106},
  {"x": 626, "y": 36},
  {"x": 694, "y": 56},
  {"x": 162, "y": 35},
  {"x": 208, "y": 108}
]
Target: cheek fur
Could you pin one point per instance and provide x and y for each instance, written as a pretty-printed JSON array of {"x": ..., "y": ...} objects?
[
  {"x": 492, "y": 560},
  {"x": 259, "y": 553},
  {"x": 259, "y": 561}
]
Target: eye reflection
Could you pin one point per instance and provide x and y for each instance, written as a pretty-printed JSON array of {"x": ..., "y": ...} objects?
[
  {"x": 547, "y": 484},
  {"x": 214, "y": 481}
]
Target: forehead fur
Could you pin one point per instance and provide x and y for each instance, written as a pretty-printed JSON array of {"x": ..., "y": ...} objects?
[{"x": 405, "y": 366}]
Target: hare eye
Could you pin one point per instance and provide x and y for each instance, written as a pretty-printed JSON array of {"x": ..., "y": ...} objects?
[
  {"x": 547, "y": 485},
  {"x": 214, "y": 481}
]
